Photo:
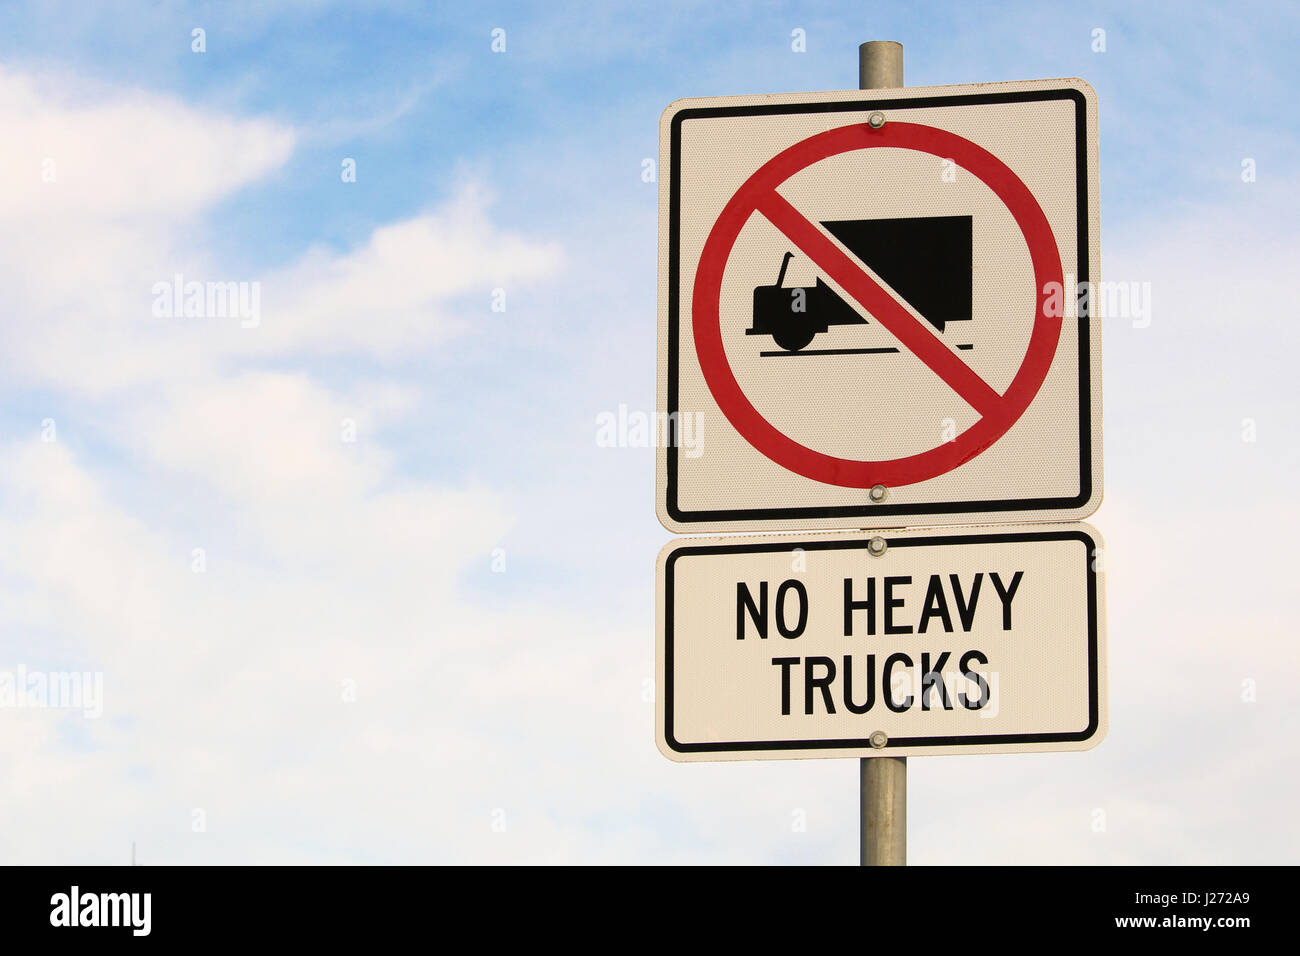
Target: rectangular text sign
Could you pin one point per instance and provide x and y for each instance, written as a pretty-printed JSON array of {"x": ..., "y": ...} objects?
[{"x": 959, "y": 641}]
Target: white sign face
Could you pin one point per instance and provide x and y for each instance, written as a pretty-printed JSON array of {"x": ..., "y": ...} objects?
[
  {"x": 973, "y": 640},
  {"x": 875, "y": 308}
]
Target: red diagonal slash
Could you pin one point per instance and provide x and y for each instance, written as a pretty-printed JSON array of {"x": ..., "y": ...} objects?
[
  {"x": 873, "y": 297},
  {"x": 997, "y": 412}
]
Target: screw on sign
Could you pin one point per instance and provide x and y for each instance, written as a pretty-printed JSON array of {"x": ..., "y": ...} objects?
[{"x": 873, "y": 339}]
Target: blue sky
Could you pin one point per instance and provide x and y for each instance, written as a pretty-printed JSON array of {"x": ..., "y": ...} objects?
[{"x": 478, "y": 430}]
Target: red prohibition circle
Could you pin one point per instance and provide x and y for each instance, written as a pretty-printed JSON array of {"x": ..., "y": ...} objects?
[{"x": 997, "y": 412}]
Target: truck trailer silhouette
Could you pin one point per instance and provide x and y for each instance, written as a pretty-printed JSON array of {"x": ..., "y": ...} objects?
[{"x": 925, "y": 260}]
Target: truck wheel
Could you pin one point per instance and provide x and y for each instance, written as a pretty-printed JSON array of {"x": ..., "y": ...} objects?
[{"x": 793, "y": 339}]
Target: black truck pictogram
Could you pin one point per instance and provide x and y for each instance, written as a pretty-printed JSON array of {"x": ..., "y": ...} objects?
[
  {"x": 794, "y": 316},
  {"x": 926, "y": 260}
]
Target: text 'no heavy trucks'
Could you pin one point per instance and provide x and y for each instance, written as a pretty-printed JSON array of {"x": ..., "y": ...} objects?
[{"x": 883, "y": 611}]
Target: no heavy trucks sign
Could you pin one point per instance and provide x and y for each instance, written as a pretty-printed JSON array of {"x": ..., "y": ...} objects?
[
  {"x": 973, "y": 640},
  {"x": 870, "y": 309}
]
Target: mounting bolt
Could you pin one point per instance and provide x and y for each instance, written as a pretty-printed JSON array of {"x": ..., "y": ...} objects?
[
  {"x": 877, "y": 546},
  {"x": 876, "y": 120},
  {"x": 878, "y": 493},
  {"x": 878, "y": 739}
]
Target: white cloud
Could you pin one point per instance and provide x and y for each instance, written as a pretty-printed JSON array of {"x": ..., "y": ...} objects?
[
  {"x": 391, "y": 294},
  {"x": 324, "y": 561},
  {"x": 132, "y": 172},
  {"x": 122, "y": 154}
]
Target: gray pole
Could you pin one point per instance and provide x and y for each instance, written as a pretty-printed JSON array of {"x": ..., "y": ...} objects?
[
  {"x": 883, "y": 794},
  {"x": 884, "y": 811},
  {"x": 880, "y": 65}
]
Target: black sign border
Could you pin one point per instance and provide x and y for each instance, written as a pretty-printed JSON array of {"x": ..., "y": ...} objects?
[
  {"x": 833, "y": 544},
  {"x": 1086, "y": 456}
]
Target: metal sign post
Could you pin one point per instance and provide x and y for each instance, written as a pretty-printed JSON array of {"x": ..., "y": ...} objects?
[
  {"x": 883, "y": 780},
  {"x": 877, "y": 301}
]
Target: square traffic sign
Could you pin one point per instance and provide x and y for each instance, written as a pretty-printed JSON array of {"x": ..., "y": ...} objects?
[{"x": 874, "y": 308}]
